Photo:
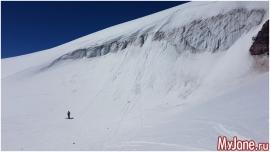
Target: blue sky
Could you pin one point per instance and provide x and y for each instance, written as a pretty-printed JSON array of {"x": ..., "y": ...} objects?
[{"x": 27, "y": 27}]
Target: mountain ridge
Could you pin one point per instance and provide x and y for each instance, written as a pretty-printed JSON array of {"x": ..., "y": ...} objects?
[{"x": 172, "y": 81}]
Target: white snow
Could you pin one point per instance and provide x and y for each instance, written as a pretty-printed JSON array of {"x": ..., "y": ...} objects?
[{"x": 140, "y": 98}]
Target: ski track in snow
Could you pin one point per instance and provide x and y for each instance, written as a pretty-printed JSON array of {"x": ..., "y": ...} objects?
[{"x": 158, "y": 94}]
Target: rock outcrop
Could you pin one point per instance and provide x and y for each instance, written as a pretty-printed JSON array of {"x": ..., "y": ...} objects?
[{"x": 260, "y": 45}]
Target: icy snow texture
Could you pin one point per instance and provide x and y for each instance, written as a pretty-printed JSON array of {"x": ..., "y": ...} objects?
[
  {"x": 211, "y": 34},
  {"x": 152, "y": 93}
]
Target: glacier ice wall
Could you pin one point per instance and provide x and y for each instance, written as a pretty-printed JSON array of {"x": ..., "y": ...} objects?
[{"x": 216, "y": 33}]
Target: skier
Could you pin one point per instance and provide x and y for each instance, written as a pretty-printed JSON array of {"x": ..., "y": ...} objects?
[{"x": 68, "y": 113}]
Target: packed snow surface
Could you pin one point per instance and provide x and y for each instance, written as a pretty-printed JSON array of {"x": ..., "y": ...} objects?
[{"x": 174, "y": 80}]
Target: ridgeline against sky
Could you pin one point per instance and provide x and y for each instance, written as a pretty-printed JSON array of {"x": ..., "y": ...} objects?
[{"x": 33, "y": 26}]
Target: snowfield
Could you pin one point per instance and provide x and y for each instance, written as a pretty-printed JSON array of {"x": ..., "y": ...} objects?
[{"x": 174, "y": 80}]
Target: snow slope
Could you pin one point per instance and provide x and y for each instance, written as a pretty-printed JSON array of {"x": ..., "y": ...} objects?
[{"x": 174, "y": 80}]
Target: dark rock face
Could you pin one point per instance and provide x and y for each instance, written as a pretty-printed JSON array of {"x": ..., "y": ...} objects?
[{"x": 261, "y": 41}]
